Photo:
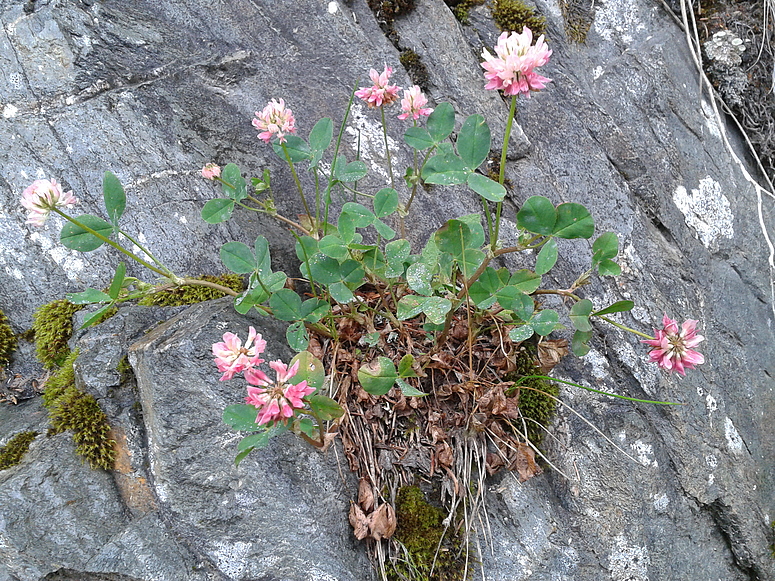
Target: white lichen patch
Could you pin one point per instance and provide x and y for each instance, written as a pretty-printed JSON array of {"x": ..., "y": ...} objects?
[
  {"x": 70, "y": 262},
  {"x": 644, "y": 452},
  {"x": 10, "y": 111},
  {"x": 710, "y": 119},
  {"x": 646, "y": 374},
  {"x": 734, "y": 441},
  {"x": 597, "y": 363},
  {"x": 711, "y": 404},
  {"x": 143, "y": 240},
  {"x": 333, "y": 7},
  {"x": 628, "y": 563},
  {"x": 725, "y": 47},
  {"x": 711, "y": 461},
  {"x": 367, "y": 138},
  {"x": 231, "y": 558},
  {"x": 14, "y": 272},
  {"x": 660, "y": 502},
  {"x": 618, "y": 18},
  {"x": 706, "y": 210}
]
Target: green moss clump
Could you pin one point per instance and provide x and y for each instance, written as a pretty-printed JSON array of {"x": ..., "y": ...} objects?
[
  {"x": 53, "y": 327},
  {"x": 60, "y": 380},
  {"x": 414, "y": 66},
  {"x": 190, "y": 294},
  {"x": 772, "y": 546},
  {"x": 514, "y": 15},
  {"x": 535, "y": 404},
  {"x": 389, "y": 9},
  {"x": 71, "y": 409},
  {"x": 7, "y": 341},
  {"x": 13, "y": 452},
  {"x": 420, "y": 530},
  {"x": 578, "y": 16},
  {"x": 462, "y": 9},
  {"x": 125, "y": 369}
]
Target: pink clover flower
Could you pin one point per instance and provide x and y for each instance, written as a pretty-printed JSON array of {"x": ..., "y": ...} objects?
[
  {"x": 231, "y": 357},
  {"x": 274, "y": 121},
  {"x": 512, "y": 70},
  {"x": 40, "y": 198},
  {"x": 277, "y": 401},
  {"x": 381, "y": 92},
  {"x": 413, "y": 104},
  {"x": 211, "y": 171},
  {"x": 673, "y": 348}
]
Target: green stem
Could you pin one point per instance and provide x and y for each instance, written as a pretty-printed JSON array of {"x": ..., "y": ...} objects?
[
  {"x": 419, "y": 173},
  {"x": 488, "y": 216},
  {"x": 387, "y": 147},
  {"x": 278, "y": 217},
  {"x": 336, "y": 152},
  {"x": 441, "y": 339},
  {"x": 118, "y": 247},
  {"x": 147, "y": 252},
  {"x": 213, "y": 285},
  {"x": 615, "y": 324},
  {"x": 296, "y": 179},
  {"x": 224, "y": 182},
  {"x": 502, "y": 169},
  {"x": 546, "y": 377},
  {"x": 311, "y": 280}
]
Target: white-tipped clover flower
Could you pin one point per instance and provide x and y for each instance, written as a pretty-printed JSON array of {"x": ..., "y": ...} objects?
[{"x": 40, "y": 198}]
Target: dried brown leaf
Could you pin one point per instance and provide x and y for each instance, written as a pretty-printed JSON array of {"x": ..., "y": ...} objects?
[
  {"x": 359, "y": 522},
  {"x": 523, "y": 461},
  {"x": 315, "y": 347},
  {"x": 382, "y": 522},
  {"x": 459, "y": 330},
  {"x": 550, "y": 352},
  {"x": 493, "y": 464},
  {"x": 437, "y": 433},
  {"x": 349, "y": 329},
  {"x": 444, "y": 455},
  {"x": 365, "y": 495}
]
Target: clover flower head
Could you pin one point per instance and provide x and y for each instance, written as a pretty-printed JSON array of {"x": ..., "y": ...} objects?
[
  {"x": 381, "y": 92},
  {"x": 276, "y": 401},
  {"x": 673, "y": 347},
  {"x": 40, "y": 198},
  {"x": 511, "y": 71},
  {"x": 274, "y": 121},
  {"x": 211, "y": 171},
  {"x": 413, "y": 104},
  {"x": 231, "y": 357}
]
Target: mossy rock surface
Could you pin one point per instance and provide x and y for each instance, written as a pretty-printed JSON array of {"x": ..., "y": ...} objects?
[
  {"x": 7, "y": 341},
  {"x": 71, "y": 409},
  {"x": 461, "y": 9},
  {"x": 514, "y": 15},
  {"x": 537, "y": 397},
  {"x": 53, "y": 327},
  {"x": 434, "y": 553},
  {"x": 13, "y": 452},
  {"x": 190, "y": 294},
  {"x": 414, "y": 66}
]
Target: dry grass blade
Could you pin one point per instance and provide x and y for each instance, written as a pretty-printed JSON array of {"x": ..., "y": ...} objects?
[{"x": 593, "y": 426}]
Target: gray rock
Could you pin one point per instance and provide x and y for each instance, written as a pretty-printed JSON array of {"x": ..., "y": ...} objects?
[{"x": 152, "y": 91}]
